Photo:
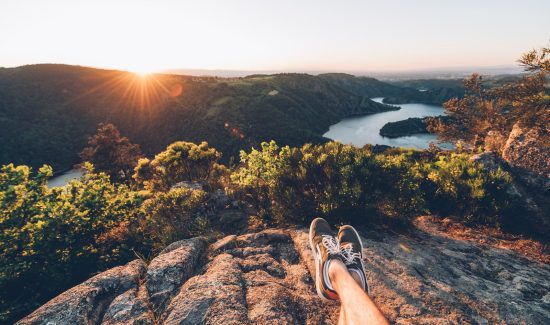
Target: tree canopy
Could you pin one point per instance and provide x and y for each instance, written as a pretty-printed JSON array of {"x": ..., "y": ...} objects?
[
  {"x": 486, "y": 116},
  {"x": 112, "y": 153}
]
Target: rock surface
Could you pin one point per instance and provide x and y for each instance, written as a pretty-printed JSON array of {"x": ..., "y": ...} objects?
[
  {"x": 168, "y": 271},
  {"x": 528, "y": 149},
  {"x": 88, "y": 302},
  {"x": 423, "y": 277},
  {"x": 532, "y": 190}
]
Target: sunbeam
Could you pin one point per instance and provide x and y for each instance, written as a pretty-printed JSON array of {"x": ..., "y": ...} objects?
[{"x": 139, "y": 91}]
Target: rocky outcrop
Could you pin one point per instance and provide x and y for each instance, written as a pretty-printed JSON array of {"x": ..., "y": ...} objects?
[
  {"x": 133, "y": 306},
  {"x": 530, "y": 190},
  {"x": 426, "y": 276},
  {"x": 217, "y": 296},
  {"x": 168, "y": 271},
  {"x": 528, "y": 149},
  {"x": 107, "y": 293},
  {"x": 429, "y": 277}
]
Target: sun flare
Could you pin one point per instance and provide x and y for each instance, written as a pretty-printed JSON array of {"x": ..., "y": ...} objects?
[
  {"x": 141, "y": 68},
  {"x": 143, "y": 72}
]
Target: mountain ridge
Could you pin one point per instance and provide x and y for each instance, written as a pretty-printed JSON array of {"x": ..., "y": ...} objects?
[{"x": 50, "y": 110}]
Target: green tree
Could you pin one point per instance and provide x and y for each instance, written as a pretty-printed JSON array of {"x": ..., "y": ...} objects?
[
  {"x": 112, "y": 153},
  {"x": 485, "y": 117}
]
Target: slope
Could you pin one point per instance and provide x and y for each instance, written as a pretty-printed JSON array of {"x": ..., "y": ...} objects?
[{"x": 48, "y": 111}]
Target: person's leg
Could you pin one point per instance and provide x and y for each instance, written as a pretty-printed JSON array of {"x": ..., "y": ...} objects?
[
  {"x": 356, "y": 277},
  {"x": 342, "y": 316},
  {"x": 335, "y": 280},
  {"x": 356, "y": 305}
]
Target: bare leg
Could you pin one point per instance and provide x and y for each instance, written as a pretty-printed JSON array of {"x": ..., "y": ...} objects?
[
  {"x": 342, "y": 316},
  {"x": 356, "y": 305}
]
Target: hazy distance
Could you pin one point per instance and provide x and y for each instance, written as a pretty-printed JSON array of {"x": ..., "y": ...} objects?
[{"x": 246, "y": 35}]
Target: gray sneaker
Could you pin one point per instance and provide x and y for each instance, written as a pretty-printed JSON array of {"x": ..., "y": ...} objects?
[
  {"x": 325, "y": 248},
  {"x": 352, "y": 253}
]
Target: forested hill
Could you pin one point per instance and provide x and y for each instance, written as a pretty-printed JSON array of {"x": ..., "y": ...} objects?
[{"x": 48, "y": 111}]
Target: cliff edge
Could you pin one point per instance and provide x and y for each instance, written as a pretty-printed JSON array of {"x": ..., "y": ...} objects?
[{"x": 426, "y": 276}]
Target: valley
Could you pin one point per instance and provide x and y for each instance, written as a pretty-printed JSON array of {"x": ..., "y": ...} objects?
[{"x": 51, "y": 110}]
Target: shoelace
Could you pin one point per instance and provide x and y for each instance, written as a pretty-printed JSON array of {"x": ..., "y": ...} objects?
[
  {"x": 349, "y": 256},
  {"x": 333, "y": 247}
]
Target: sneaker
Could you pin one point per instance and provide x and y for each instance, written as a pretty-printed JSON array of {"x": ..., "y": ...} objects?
[
  {"x": 352, "y": 253},
  {"x": 325, "y": 248}
]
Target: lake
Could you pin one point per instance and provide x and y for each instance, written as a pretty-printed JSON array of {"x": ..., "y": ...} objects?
[
  {"x": 63, "y": 179},
  {"x": 354, "y": 130},
  {"x": 362, "y": 130}
]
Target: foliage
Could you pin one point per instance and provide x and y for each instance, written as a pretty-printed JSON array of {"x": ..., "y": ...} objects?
[
  {"x": 53, "y": 238},
  {"x": 484, "y": 117},
  {"x": 177, "y": 214},
  {"x": 342, "y": 182},
  {"x": 458, "y": 186},
  {"x": 537, "y": 60},
  {"x": 111, "y": 153},
  {"x": 412, "y": 125},
  {"x": 434, "y": 96},
  {"x": 180, "y": 162},
  {"x": 47, "y": 112}
]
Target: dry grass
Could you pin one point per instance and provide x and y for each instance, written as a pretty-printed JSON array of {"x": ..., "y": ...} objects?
[{"x": 529, "y": 248}]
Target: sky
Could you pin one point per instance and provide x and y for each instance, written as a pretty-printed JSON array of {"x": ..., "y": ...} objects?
[{"x": 283, "y": 35}]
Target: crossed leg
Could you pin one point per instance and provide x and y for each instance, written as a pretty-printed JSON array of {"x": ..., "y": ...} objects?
[{"x": 356, "y": 306}]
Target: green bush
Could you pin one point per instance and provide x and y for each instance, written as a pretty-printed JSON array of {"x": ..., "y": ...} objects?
[
  {"x": 177, "y": 214},
  {"x": 396, "y": 185},
  {"x": 51, "y": 239},
  {"x": 333, "y": 180},
  {"x": 342, "y": 182},
  {"x": 465, "y": 189},
  {"x": 181, "y": 161}
]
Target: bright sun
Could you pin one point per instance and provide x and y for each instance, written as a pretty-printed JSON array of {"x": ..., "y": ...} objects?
[
  {"x": 143, "y": 72},
  {"x": 142, "y": 69}
]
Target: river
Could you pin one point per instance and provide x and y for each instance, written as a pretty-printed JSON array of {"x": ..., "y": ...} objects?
[
  {"x": 64, "y": 178},
  {"x": 362, "y": 130},
  {"x": 354, "y": 130}
]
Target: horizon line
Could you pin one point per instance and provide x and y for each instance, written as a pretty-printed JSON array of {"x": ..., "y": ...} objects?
[{"x": 460, "y": 69}]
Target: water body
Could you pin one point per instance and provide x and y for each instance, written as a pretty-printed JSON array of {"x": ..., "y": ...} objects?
[
  {"x": 63, "y": 179},
  {"x": 363, "y": 130}
]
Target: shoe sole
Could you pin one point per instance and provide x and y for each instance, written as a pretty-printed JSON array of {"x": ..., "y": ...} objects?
[
  {"x": 362, "y": 263},
  {"x": 317, "y": 258}
]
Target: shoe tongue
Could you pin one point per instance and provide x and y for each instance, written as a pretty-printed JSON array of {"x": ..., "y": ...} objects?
[{"x": 347, "y": 245}]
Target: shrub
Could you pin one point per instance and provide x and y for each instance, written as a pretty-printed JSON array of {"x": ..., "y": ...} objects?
[
  {"x": 177, "y": 214},
  {"x": 466, "y": 189},
  {"x": 396, "y": 186},
  {"x": 333, "y": 180},
  {"x": 342, "y": 182},
  {"x": 258, "y": 174},
  {"x": 51, "y": 239},
  {"x": 181, "y": 161}
]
